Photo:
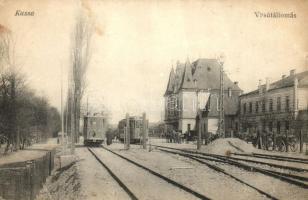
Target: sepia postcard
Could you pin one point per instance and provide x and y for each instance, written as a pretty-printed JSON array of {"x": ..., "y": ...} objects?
[{"x": 153, "y": 99}]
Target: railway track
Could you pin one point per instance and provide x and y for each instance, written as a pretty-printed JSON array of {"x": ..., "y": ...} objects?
[
  {"x": 117, "y": 179},
  {"x": 296, "y": 169},
  {"x": 289, "y": 178},
  {"x": 220, "y": 170},
  {"x": 274, "y": 157},
  {"x": 170, "y": 181}
]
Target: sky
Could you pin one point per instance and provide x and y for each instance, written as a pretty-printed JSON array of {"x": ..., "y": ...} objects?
[{"x": 135, "y": 44}]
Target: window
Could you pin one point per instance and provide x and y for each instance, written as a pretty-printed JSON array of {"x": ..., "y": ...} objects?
[
  {"x": 278, "y": 127},
  {"x": 278, "y": 103},
  {"x": 244, "y": 108},
  {"x": 263, "y": 125},
  {"x": 208, "y": 104},
  {"x": 270, "y": 126},
  {"x": 257, "y": 106},
  {"x": 287, "y": 103},
  {"x": 263, "y": 106},
  {"x": 271, "y": 105},
  {"x": 229, "y": 92},
  {"x": 172, "y": 101},
  {"x": 250, "y": 107}
]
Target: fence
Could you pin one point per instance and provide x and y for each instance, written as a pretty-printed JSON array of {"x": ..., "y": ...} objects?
[{"x": 23, "y": 180}]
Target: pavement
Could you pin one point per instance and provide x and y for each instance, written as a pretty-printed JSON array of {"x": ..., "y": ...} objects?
[{"x": 30, "y": 153}]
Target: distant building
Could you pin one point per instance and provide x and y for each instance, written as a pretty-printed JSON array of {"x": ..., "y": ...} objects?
[
  {"x": 277, "y": 107},
  {"x": 194, "y": 86}
]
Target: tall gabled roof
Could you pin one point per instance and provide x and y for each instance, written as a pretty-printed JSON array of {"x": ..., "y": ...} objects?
[
  {"x": 170, "y": 86},
  {"x": 187, "y": 78},
  {"x": 179, "y": 71},
  {"x": 207, "y": 74},
  {"x": 204, "y": 72}
]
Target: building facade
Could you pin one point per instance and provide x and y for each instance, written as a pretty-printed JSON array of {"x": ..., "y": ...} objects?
[
  {"x": 193, "y": 87},
  {"x": 276, "y": 107}
]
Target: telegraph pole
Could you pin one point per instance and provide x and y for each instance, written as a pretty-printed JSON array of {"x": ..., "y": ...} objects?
[
  {"x": 198, "y": 117},
  {"x": 144, "y": 130},
  {"x": 221, "y": 125},
  {"x": 87, "y": 105},
  {"x": 62, "y": 113}
]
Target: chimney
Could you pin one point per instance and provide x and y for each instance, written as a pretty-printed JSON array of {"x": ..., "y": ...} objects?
[
  {"x": 267, "y": 83},
  {"x": 259, "y": 86},
  {"x": 292, "y": 72},
  {"x": 283, "y": 76}
]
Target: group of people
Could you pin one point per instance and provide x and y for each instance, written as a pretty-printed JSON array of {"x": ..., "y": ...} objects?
[{"x": 174, "y": 137}]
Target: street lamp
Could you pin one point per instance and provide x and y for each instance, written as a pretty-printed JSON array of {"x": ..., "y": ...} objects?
[{"x": 221, "y": 125}]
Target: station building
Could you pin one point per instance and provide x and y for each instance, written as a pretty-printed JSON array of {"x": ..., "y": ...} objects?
[
  {"x": 277, "y": 107},
  {"x": 195, "y": 86}
]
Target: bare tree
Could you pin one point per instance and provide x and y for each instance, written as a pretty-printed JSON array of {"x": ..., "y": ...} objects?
[
  {"x": 80, "y": 60},
  {"x": 22, "y": 113},
  {"x": 8, "y": 78}
]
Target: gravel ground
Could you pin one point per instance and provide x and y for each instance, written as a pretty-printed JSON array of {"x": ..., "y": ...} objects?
[
  {"x": 207, "y": 181},
  {"x": 96, "y": 183},
  {"x": 143, "y": 184},
  {"x": 284, "y": 163},
  {"x": 87, "y": 179},
  {"x": 191, "y": 174}
]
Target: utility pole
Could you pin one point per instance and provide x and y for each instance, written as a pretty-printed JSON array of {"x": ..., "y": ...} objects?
[
  {"x": 87, "y": 105},
  {"x": 127, "y": 133},
  {"x": 198, "y": 117},
  {"x": 144, "y": 130},
  {"x": 62, "y": 113},
  {"x": 221, "y": 125},
  {"x": 199, "y": 142}
]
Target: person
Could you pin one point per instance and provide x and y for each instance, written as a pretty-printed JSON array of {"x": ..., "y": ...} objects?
[
  {"x": 259, "y": 139},
  {"x": 173, "y": 136},
  {"x": 179, "y": 134}
]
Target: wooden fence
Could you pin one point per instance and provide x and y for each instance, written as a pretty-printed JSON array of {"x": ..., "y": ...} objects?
[{"x": 23, "y": 180}]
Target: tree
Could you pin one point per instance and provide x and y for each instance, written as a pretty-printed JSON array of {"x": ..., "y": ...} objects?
[
  {"x": 9, "y": 85},
  {"x": 23, "y": 115},
  {"x": 80, "y": 60}
]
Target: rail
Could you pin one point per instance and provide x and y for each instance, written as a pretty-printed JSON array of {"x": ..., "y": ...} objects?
[
  {"x": 224, "y": 159},
  {"x": 173, "y": 182},
  {"x": 117, "y": 179}
]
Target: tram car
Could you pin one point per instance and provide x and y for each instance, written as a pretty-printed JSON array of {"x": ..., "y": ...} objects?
[
  {"x": 135, "y": 129},
  {"x": 94, "y": 130}
]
